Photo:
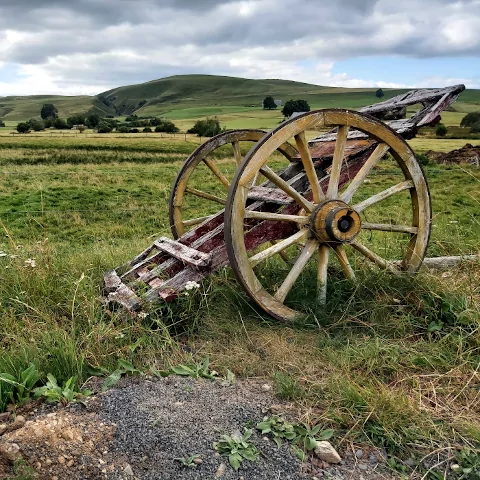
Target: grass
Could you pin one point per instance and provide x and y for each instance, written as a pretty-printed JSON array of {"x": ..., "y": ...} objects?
[{"x": 391, "y": 361}]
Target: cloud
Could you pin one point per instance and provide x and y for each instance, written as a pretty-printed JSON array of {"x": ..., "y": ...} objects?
[{"x": 88, "y": 45}]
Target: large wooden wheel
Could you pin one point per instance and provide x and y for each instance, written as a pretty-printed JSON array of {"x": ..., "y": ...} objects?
[
  {"x": 207, "y": 189},
  {"x": 339, "y": 220}
]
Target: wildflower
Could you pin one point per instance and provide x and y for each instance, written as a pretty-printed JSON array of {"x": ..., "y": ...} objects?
[
  {"x": 191, "y": 285},
  {"x": 30, "y": 262},
  {"x": 120, "y": 335},
  {"x": 142, "y": 315},
  {"x": 3, "y": 254},
  {"x": 13, "y": 256}
]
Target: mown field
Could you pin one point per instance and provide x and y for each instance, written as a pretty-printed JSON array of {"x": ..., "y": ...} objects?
[{"x": 392, "y": 362}]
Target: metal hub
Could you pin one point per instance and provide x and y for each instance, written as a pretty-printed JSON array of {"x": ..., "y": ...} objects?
[{"x": 334, "y": 221}]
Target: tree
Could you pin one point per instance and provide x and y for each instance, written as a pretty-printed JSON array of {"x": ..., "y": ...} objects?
[
  {"x": 23, "y": 127},
  {"x": 2, "y": 123},
  {"x": 164, "y": 125},
  {"x": 81, "y": 128},
  {"x": 475, "y": 128},
  {"x": 470, "y": 119},
  {"x": 379, "y": 93},
  {"x": 293, "y": 106},
  {"x": 49, "y": 122},
  {"x": 76, "y": 119},
  {"x": 104, "y": 127},
  {"x": 441, "y": 130},
  {"x": 92, "y": 120},
  {"x": 147, "y": 130},
  {"x": 206, "y": 128},
  {"x": 269, "y": 103},
  {"x": 49, "y": 110},
  {"x": 36, "y": 125},
  {"x": 61, "y": 124}
]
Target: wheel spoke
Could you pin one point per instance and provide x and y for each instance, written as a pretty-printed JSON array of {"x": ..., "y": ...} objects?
[
  {"x": 381, "y": 262},
  {"x": 302, "y": 147},
  {"x": 208, "y": 196},
  {"x": 323, "y": 254},
  {"x": 277, "y": 248},
  {"x": 400, "y": 187},
  {"x": 283, "y": 254},
  {"x": 195, "y": 221},
  {"x": 386, "y": 227},
  {"x": 301, "y": 220},
  {"x": 338, "y": 155},
  {"x": 377, "y": 154},
  {"x": 344, "y": 263},
  {"x": 211, "y": 165},
  {"x": 283, "y": 185},
  {"x": 237, "y": 153},
  {"x": 299, "y": 265}
]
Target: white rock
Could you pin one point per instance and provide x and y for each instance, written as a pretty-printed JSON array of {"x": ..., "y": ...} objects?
[
  {"x": 128, "y": 470},
  {"x": 220, "y": 470},
  {"x": 324, "y": 451},
  {"x": 266, "y": 387}
]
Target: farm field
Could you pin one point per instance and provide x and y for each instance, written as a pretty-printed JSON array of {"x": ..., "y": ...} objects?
[{"x": 391, "y": 362}]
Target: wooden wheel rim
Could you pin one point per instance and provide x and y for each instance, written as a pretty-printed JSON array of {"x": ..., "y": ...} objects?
[
  {"x": 258, "y": 156},
  {"x": 177, "y": 193}
]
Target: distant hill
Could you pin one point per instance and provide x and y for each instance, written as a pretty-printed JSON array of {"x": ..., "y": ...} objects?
[{"x": 195, "y": 96}]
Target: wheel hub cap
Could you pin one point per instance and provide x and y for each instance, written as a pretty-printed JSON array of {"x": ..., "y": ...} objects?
[{"x": 334, "y": 221}]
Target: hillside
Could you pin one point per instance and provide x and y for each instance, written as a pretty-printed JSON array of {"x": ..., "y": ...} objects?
[
  {"x": 187, "y": 97},
  {"x": 16, "y": 108}
]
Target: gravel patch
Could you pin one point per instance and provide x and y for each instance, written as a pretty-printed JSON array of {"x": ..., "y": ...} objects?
[{"x": 158, "y": 421}]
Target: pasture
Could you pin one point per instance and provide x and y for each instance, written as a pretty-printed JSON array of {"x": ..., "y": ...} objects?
[{"x": 391, "y": 362}]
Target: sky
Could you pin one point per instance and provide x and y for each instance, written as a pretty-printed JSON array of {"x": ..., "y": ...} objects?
[{"x": 86, "y": 47}]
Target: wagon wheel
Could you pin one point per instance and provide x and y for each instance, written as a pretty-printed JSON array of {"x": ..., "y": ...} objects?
[
  {"x": 331, "y": 217},
  {"x": 181, "y": 220}
]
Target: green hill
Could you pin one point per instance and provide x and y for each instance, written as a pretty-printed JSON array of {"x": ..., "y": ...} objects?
[
  {"x": 16, "y": 108},
  {"x": 184, "y": 98}
]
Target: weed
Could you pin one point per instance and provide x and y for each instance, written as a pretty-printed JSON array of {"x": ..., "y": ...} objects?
[
  {"x": 191, "y": 462},
  {"x": 286, "y": 386},
  {"x": 278, "y": 428},
  {"x": 237, "y": 448},
  {"x": 17, "y": 390},
  {"x": 195, "y": 370},
  {"x": 308, "y": 437},
  {"x": 124, "y": 367},
  {"x": 67, "y": 393}
]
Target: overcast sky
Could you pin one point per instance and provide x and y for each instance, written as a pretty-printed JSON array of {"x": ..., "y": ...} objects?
[{"x": 89, "y": 46}]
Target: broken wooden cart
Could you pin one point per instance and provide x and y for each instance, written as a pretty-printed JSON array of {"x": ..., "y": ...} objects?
[{"x": 296, "y": 197}]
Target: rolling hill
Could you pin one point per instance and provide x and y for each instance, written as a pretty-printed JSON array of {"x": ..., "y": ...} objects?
[{"x": 184, "y": 98}]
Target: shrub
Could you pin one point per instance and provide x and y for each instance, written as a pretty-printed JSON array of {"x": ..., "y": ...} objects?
[
  {"x": 470, "y": 119},
  {"x": 475, "y": 128},
  {"x": 36, "y": 125},
  {"x": 104, "y": 127},
  {"x": 167, "y": 126},
  {"x": 133, "y": 130},
  {"x": 379, "y": 93},
  {"x": 206, "y": 128},
  {"x": 123, "y": 129},
  {"x": 441, "y": 130},
  {"x": 2, "y": 123},
  {"x": 147, "y": 130},
  {"x": 23, "y": 127},
  {"x": 60, "y": 124}
]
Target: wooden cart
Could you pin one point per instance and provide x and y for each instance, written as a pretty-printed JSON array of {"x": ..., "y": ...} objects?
[{"x": 295, "y": 198}]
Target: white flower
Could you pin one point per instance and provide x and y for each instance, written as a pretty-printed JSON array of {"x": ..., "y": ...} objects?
[
  {"x": 185, "y": 293},
  {"x": 191, "y": 285},
  {"x": 13, "y": 256},
  {"x": 30, "y": 262},
  {"x": 3, "y": 254},
  {"x": 142, "y": 315}
]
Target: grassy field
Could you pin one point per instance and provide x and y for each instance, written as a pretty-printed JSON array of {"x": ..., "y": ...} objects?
[{"x": 391, "y": 362}]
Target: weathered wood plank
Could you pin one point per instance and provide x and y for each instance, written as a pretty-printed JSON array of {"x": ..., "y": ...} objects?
[{"x": 183, "y": 253}]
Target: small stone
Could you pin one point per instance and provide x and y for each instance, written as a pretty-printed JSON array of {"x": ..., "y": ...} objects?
[
  {"x": 55, "y": 478},
  {"x": 10, "y": 452},
  {"x": 67, "y": 434},
  {"x": 38, "y": 465},
  {"x": 220, "y": 470},
  {"x": 70, "y": 463},
  {"x": 359, "y": 453},
  {"x": 410, "y": 462},
  {"x": 48, "y": 461},
  {"x": 128, "y": 470},
  {"x": 19, "y": 422},
  {"x": 61, "y": 459},
  {"x": 454, "y": 467},
  {"x": 197, "y": 461},
  {"x": 266, "y": 387},
  {"x": 324, "y": 451},
  {"x": 373, "y": 458},
  {"x": 362, "y": 466}
]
